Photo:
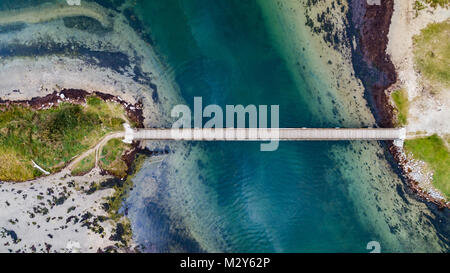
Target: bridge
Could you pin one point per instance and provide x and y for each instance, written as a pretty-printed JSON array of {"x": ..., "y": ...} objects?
[{"x": 265, "y": 134}]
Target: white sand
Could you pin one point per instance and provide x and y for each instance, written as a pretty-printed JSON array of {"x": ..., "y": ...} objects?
[
  {"x": 350, "y": 106},
  {"x": 50, "y": 11},
  {"x": 428, "y": 113},
  {"x": 26, "y": 77},
  {"x": 369, "y": 180},
  {"x": 38, "y": 76},
  {"x": 22, "y": 210}
]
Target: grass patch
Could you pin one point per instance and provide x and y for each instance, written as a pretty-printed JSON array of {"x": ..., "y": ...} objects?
[
  {"x": 435, "y": 3},
  {"x": 121, "y": 191},
  {"x": 418, "y": 6},
  {"x": 111, "y": 157},
  {"x": 423, "y": 4},
  {"x": 52, "y": 137},
  {"x": 9, "y": 160},
  {"x": 115, "y": 202},
  {"x": 432, "y": 54},
  {"x": 447, "y": 138},
  {"x": 84, "y": 165},
  {"x": 433, "y": 151},
  {"x": 400, "y": 98}
]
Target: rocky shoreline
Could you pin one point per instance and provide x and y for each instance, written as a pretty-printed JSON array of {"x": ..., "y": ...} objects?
[
  {"x": 378, "y": 74},
  {"x": 78, "y": 96},
  {"x": 134, "y": 112},
  {"x": 82, "y": 49},
  {"x": 372, "y": 65},
  {"x": 120, "y": 231},
  {"x": 88, "y": 219}
]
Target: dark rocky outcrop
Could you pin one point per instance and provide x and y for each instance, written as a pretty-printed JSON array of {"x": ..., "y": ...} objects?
[{"x": 369, "y": 24}]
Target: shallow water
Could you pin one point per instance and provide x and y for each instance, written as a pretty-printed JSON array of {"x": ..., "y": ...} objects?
[{"x": 304, "y": 197}]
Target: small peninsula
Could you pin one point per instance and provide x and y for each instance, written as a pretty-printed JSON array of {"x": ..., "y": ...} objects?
[
  {"x": 70, "y": 129},
  {"x": 70, "y": 78}
]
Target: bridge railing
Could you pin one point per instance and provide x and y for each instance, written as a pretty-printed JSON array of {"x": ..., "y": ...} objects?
[{"x": 263, "y": 134}]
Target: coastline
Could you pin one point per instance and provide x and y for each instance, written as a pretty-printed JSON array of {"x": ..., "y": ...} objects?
[
  {"x": 49, "y": 11},
  {"x": 78, "y": 96},
  {"x": 96, "y": 217},
  {"x": 378, "y": 57},
  {"x": 427, "y": 114},
  {"x": 126, "y": 81},
  {"x": 397, "y": 62},
  {"x": 46, "y": 61},
  {"x": 39, "y": 59},
  {"x": 370, "y": 23},
  {"x": 351, "y": 77},
  {"x": 133, "y": 113}
]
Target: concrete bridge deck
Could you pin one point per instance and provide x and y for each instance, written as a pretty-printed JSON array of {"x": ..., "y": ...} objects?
[{"x": 263, "y": 134}]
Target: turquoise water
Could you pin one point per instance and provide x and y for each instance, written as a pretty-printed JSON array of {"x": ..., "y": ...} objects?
[
  {"x": 295, "y": 199},
  {"x": 304, "y": 197}
]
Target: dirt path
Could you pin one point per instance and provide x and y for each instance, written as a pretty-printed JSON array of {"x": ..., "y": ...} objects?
[{"x": 96, "y": 149}]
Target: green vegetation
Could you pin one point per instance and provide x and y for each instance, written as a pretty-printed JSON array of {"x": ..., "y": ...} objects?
[
  {"x": 400, "y": 98},
  {"x": 111, "y": 158},
  {"x": 418, "y": 5},
  {"x": 435, "y": 3},
  {"x": 123, "y": 231},
  {"x": 422, "y": 4},
  {"x": 52, "y": 137},
  {"x": 432, "y": 54},
  {"x": 121, "y": 190},
  {"x": 447, "y": 139},
  {"x": 85, "y": 165},
  {"x": 434, "y": 152}
]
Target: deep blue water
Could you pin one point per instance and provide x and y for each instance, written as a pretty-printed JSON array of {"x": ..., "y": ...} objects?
[
  {"x": 266, "y": 201},
  {"x": 304, "y": 197},
  {"x": 233, "y": 197}
]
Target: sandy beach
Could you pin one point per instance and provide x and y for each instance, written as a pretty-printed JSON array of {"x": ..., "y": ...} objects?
[
  {"x": 117, "y": 61},
  {"x": 55, "y": 214},
  {"x": 428, "y": 112},
  {"x": 181, "y": 200},
  {"x": 331, "y": 62},
  {"x": 49, "y": 11},
  {"x": 337, "y": 72},
  {"x": 59, "y": 213}
]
